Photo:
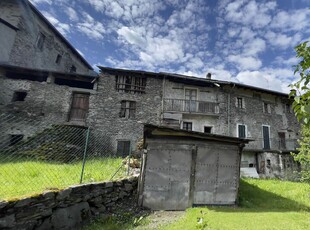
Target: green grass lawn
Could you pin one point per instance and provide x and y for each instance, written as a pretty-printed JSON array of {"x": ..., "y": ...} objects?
[
  {"x": 25, "y": 177},
  {"x": 264, "y": 204}
]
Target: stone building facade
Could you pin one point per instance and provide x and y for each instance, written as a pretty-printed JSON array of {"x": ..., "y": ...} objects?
[
  {"x": 203, "y": 105},
  {"x": 42, "y": 77},
  {"x": 29, "y": 40},
  {"x": 118, "y": 102}
]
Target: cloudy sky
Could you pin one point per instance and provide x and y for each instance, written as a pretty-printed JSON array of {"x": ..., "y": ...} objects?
[{"x": 246, "y": 41}]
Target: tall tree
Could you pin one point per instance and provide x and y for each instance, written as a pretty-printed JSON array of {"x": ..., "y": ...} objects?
[{"x": 301, "y": 105}]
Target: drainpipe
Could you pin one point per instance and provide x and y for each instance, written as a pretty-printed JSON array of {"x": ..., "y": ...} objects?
[
  {"x": 228, "y": 115},
  {"x": 162, "y": 99}
]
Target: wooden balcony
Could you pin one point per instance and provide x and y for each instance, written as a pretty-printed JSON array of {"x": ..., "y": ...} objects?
[{"x": 191, "y": 106}]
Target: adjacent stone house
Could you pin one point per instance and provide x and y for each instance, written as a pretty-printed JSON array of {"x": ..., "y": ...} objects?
[
  {"x": 42, "y": 76},
  {"x": 126, "y": 99}
]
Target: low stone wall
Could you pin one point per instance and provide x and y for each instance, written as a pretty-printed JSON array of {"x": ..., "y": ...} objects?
[{"x": 65, "y": 209}]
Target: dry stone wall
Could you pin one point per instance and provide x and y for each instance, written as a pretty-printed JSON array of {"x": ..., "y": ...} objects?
[{"x": 70, "y": 208}]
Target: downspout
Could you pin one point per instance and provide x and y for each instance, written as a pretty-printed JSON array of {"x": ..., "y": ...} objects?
[
  {"x": 163, "y": 98},
  {"x": 228, "y": 114}
]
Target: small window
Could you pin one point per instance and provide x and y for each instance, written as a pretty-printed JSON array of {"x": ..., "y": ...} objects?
[
  {"x": 72, "y": 69},
  {"x": 266, "y": 107},
  {"x": 130, "y": 84},
  {"x": 241, "y": 131},
  {"x": 251, "y": 165},
  {"x": 19, "y": 96},
  {"x": 268, "y": 163},
  {"x": 123, "y": 148},
  {"x": 58, "y": 59},
  {"x": 128, "y": 109},
  {"x": 187, "y": 126},
  {"x": 14, "y": 139},
  {"x": 79, "y": 107},
  {"x": 40, "y": 41},
  {"x": 240, "y": 103},
  {"x": 207, "y": 129}
]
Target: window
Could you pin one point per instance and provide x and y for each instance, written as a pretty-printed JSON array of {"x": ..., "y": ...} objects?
[
  {"x": 79, "y": 107},
  {"x": 130, "y": 84},
  {"x": 19, "y": 96},
  {"x": 190, "y": 100},
  {"x": 128, "y": 109},
  {"x": 266, "y": 137},
  {"x": 207, "y": 129},
  {"x": 72, "y": 69},
  {"x": 58, "y": 59},
  {"x": 123, "y": 148},
  {"x": 14, "y": 139},
  {"x": 266, "y": 107},
  {"x": 241, "y": 131},
  {"x": 240, "y": 103},
  {"x": 40, "y": 41},
  {"x": 187, "y": 126},
  {"x": 268, "y": 163}
]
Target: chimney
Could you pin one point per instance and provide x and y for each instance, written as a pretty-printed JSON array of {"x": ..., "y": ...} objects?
[{"x": 208, "y": 76}]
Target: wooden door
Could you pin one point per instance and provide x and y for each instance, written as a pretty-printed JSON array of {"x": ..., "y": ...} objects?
[
  {"x": 190, "y": 100},
  {"x": 79, "y": 107}
]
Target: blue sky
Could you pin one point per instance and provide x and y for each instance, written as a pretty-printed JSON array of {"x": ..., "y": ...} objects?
[{"x": 246, "y": 41}]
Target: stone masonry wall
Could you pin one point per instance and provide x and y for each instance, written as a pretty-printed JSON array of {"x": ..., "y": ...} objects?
[
  {"x": 105, "y": 106},
  {"x": 65, "y": 209},
  {"x": 20, "y": 14}
]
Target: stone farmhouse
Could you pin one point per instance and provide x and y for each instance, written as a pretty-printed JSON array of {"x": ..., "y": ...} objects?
[{"x": 44, "y": 77}]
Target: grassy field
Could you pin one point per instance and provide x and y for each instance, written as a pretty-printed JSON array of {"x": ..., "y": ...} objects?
[
  {"x": 264, "y": 204},
  {"x": 25, "y": 177}
]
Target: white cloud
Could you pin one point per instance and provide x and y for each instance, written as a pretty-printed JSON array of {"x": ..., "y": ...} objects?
[
  {"x": 132, "y": 35},
  {"x": 63, "y": 28},
  {"x": 268, "y": 78},
  {"x": 41, "y": 1},
  {"x": 253, "y": 47},
  {"x": 72, "y": 14},
  {"x": 90, "y": 27},
  {"x": 245, "y": 62},
  {"x": 294, "y": 20}
]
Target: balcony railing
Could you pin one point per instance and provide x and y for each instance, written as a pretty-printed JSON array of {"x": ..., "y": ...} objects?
[
  {"x": 273, "y": 144},
  {"x": 190, "y": 106}
]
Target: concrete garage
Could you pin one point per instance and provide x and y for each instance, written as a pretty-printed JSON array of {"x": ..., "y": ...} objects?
[{"x": 182, "y": 169}]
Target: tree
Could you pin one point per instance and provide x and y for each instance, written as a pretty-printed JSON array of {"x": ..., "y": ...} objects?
[{"x": 301, "y": 106}]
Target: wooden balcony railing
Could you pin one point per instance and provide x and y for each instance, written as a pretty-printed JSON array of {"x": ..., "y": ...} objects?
[{"x": 190, "y": 106}]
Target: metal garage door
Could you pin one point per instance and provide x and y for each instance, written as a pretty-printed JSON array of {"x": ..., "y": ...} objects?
[
  {"x": 167, "y": 177},
  {"x": 217, "y": 174}
]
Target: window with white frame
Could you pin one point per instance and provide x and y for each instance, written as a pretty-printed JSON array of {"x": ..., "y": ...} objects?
[
  {"x": 240, "y": 103},
  {"x": 241, "y": 131}
]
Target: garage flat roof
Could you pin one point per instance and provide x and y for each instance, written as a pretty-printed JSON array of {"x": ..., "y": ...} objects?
[{"x": 154, "y": 130}]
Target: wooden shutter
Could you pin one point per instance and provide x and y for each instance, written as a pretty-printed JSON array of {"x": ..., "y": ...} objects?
[{"x": 79, "y": 107}]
